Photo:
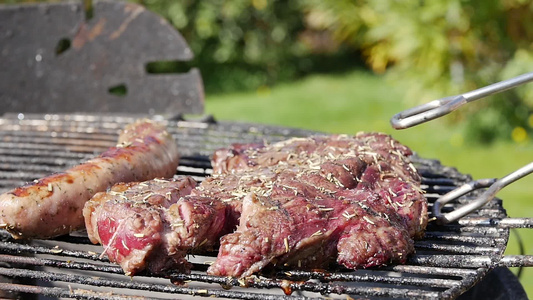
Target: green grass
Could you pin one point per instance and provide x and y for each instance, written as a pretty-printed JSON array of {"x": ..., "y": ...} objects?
[{"x": 360, "y": 101}]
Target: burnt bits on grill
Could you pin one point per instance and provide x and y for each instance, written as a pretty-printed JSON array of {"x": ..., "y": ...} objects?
[
  {"x": 303, "y": 202},
  {"x": 152, "y": 225},
  {"x": 52, "y": 206}
]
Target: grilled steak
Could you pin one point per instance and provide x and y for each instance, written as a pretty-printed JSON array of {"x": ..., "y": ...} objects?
[
  {"x": 303, "y": 202},
  {"x": 53, "y": 205},
  {"x": 152, "y": 225},
  {"x": 356, "y": 199}
]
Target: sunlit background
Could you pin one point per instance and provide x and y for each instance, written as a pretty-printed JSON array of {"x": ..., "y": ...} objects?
[{"x": 344, "y": 66}]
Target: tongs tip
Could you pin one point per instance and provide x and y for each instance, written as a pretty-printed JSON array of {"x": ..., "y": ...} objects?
[
  {"x": 493, "y": 186},
  {"x": 443, "y": 106},
  {"x": 426, "y": 112}
]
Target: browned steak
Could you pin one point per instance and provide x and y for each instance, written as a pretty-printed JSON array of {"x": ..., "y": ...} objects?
[
  {"x": 152, "y": 225},
  {"x": 303, "y": 202},
  {"x": 306, "y": 201}
]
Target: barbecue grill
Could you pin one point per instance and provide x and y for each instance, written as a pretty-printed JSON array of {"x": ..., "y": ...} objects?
[
  {"x": 460, "y": 259},
  {"x": 450, "y": 260}
]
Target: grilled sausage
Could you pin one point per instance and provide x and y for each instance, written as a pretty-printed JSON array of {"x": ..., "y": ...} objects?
[{"x": 53, "y": 206}]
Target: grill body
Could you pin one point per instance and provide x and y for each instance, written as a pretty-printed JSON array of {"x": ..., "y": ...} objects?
[{"x": 448, "y": 261}]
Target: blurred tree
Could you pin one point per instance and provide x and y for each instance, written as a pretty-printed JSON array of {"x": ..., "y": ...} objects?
[
  {"x": 441, "y": 48},
  {"x": 245, "y": 44}
]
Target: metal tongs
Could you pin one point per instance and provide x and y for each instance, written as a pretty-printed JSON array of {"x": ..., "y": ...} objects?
[{"x": 443, "y": 106}]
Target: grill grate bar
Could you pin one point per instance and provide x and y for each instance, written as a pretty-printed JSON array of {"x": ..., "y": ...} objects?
[
  {"x": 154, "y": 287},
  {"x": 18, "y": 248},
  {"x": 63, "y": 292},
  {"x": 498, "y": 222},
  {"x": 451, "y": 260},
  {"x": 34, "y": 261},
  {"x": 479, "y": 240},
  {"x": 325, "y": 289},
  {"x": 46, "y": 136},
  {"x": 465, "y": 284},
  {"x": 441, "y": 271},
  {"x": 9, "y": 183},
  {"x": 463, "y": 249},
  {"x": 41, "y": 153},
  {"x": 296, "y": 277},
  {"x": 466, "y": 229},
  {"x": 37, "y": 162},
  {"x": 59, "y": 141},
  {"x": 516, "y": 261},
  {"x": 75, "y": 148},
  {"x": 455, "y": 261},
  {"x": 372, "y": 277},
  {"x": 20, "y": 176},
  {"x": 31, "y": 168}
]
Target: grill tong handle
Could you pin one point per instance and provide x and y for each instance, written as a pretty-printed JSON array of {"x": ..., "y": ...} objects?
[
  {"x": 494, "y": 187},
  {"x": 440, "y": 107}
]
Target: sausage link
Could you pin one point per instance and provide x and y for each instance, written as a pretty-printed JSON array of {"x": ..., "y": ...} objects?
[{"x": 53, "y": 205}]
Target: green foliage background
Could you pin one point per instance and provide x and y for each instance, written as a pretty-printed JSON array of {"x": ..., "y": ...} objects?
[
  {"x": 243, "y": 44},
  {"x": 430, "y": 48},
  {"x": 436, "y": 48}
]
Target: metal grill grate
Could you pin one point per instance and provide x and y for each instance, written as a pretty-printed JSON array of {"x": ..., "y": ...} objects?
[{"x": 448, "y": 261}]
